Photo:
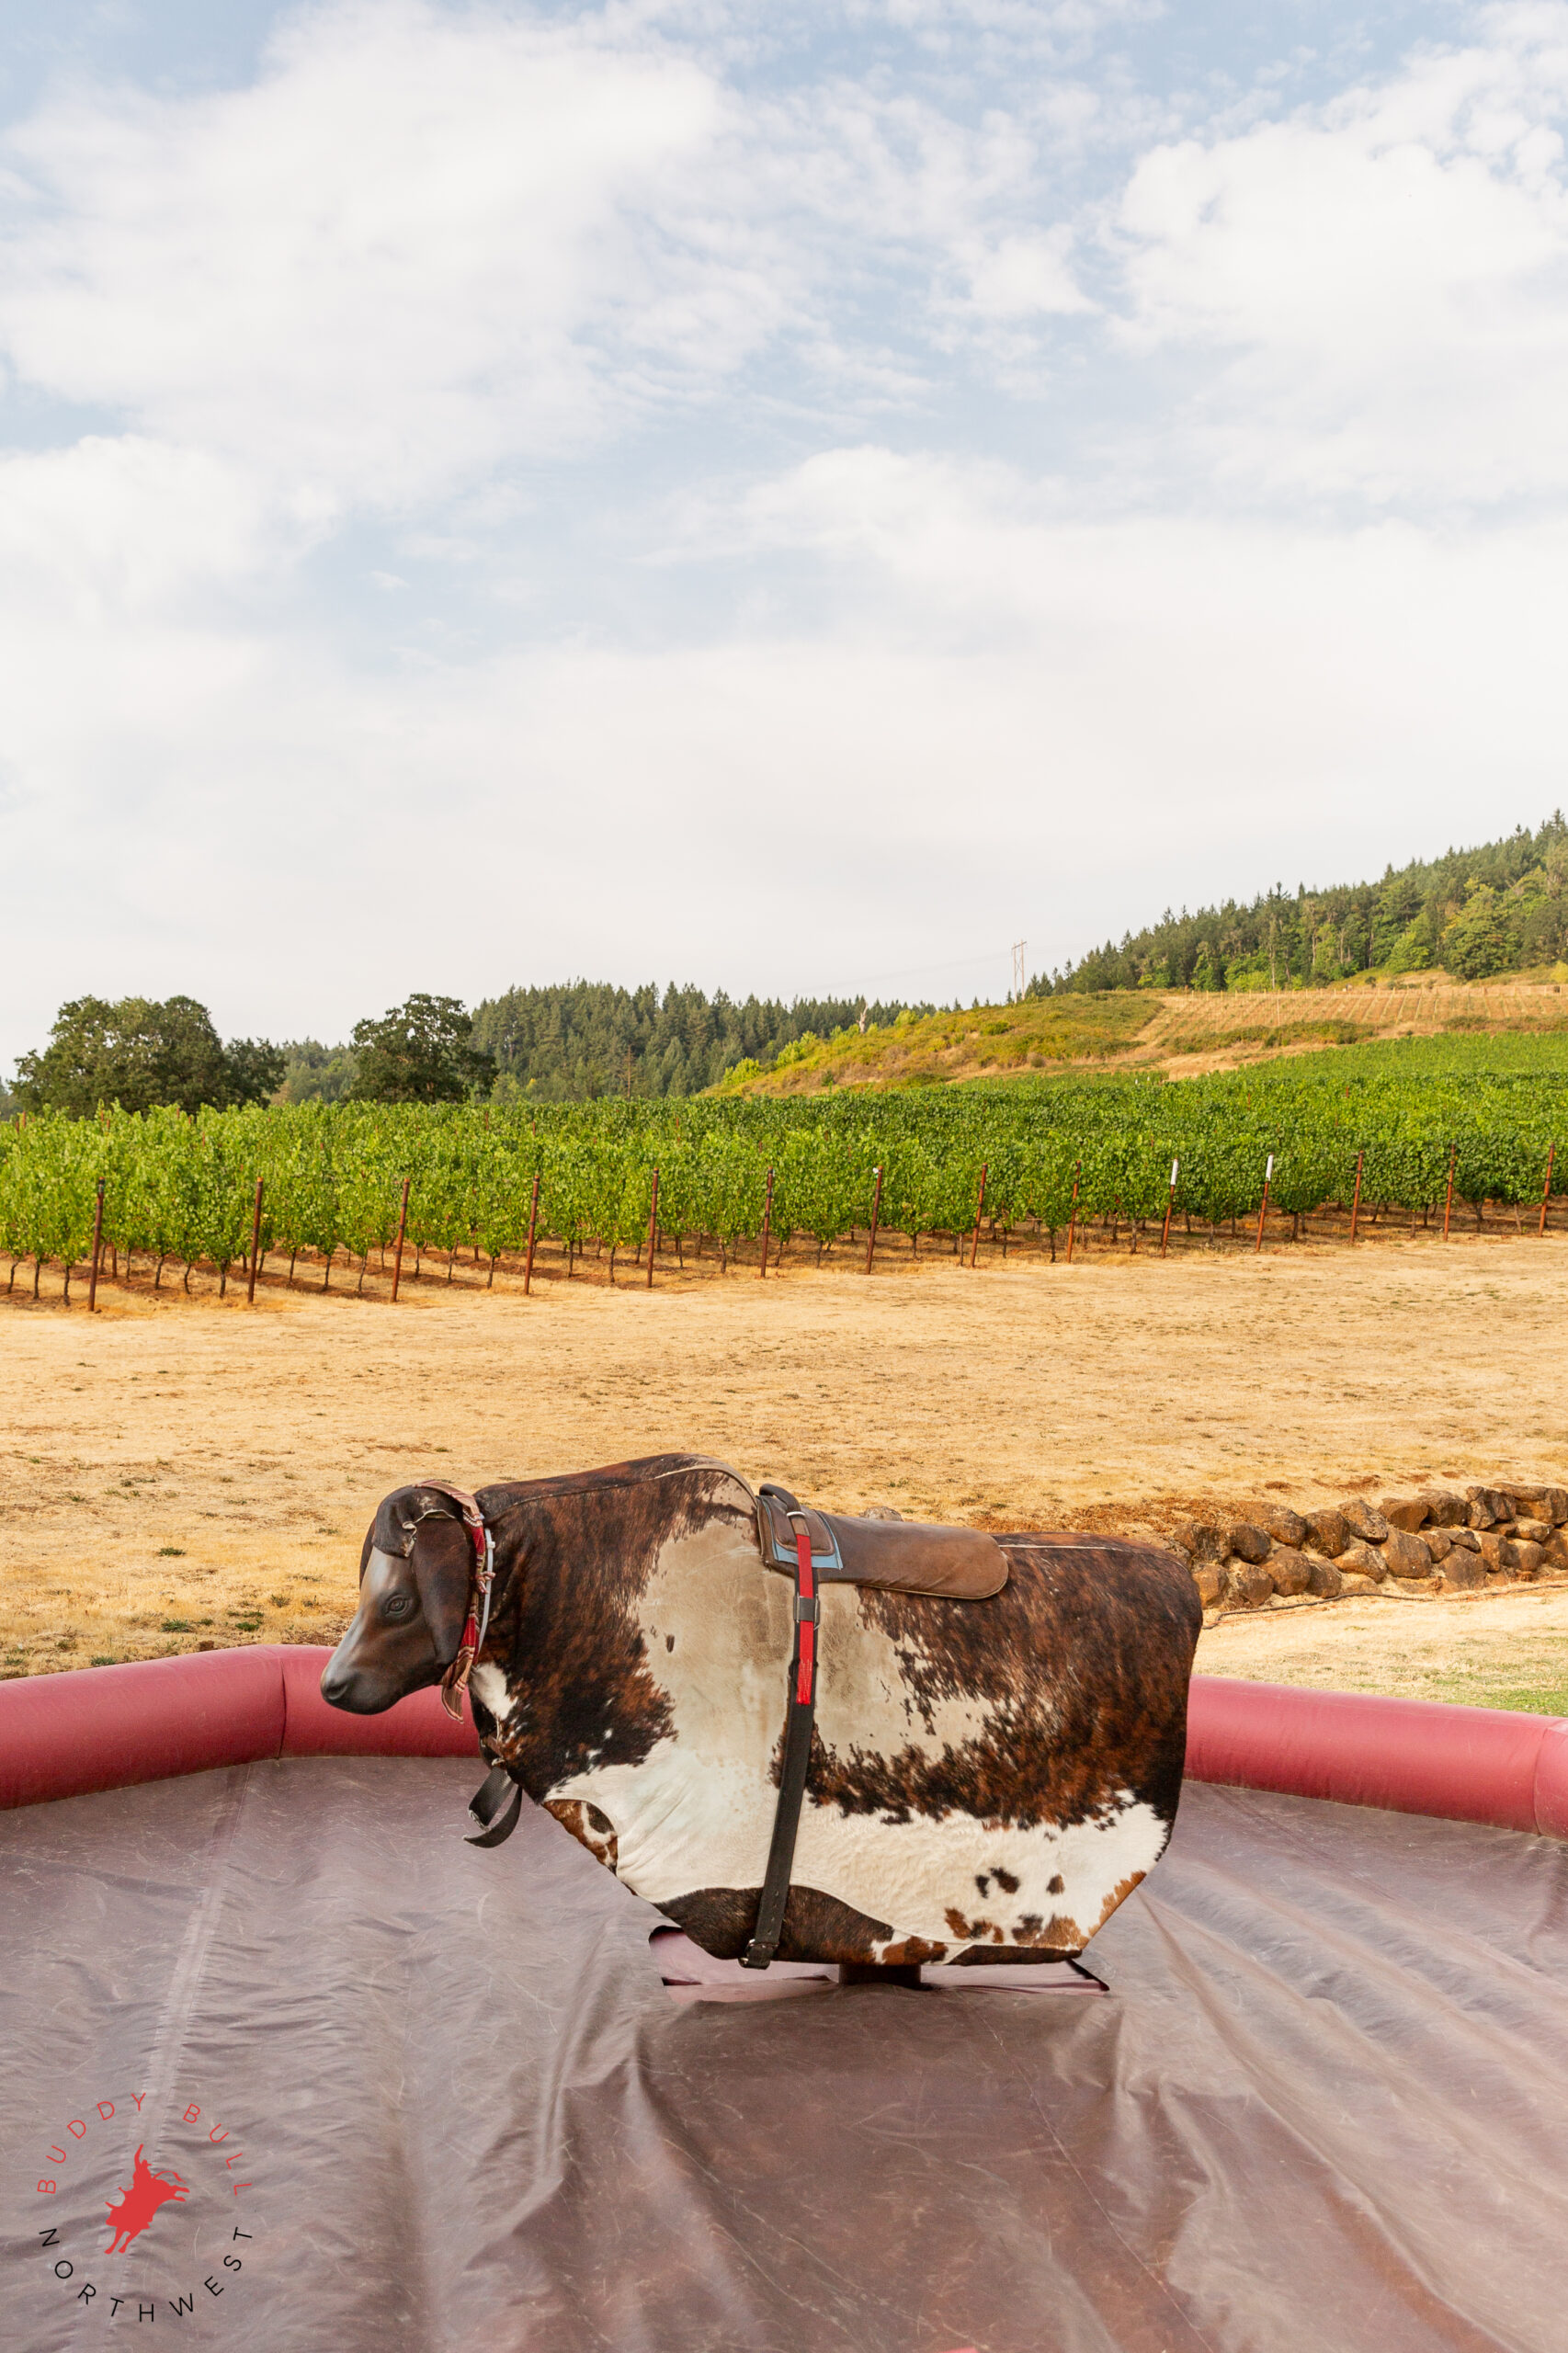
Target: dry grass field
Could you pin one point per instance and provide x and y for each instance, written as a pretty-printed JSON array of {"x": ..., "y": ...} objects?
[{"x": 179, "y": 1470}]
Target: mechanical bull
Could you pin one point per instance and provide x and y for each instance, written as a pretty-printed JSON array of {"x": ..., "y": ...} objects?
[{"x": 796, "y": 1735}]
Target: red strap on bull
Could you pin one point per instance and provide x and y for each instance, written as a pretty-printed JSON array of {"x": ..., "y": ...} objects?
[
  {"x": 805, "y": 1590},
  {"x": 455, "y": 1680}
]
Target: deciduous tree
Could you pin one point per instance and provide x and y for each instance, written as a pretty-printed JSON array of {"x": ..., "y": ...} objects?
[
  {"x": 420, "y": 1052},
  {"x": 142, "y": 1054}
]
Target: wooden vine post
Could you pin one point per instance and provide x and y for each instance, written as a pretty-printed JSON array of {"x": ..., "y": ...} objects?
[
  {"x": 402, "y": 1230},
  {"x": 1355, "y": 1198},
  {"x": 1448, "y": 1201},
  {"x": 876, "y": 1212},
  {"x": 979, "y": 1211},
  {"x": 255, "y": 1246},
  {"x": 97, "y": 1246},
  {"x": 1546, "y": 1188},
  {"x": 533, "y": 1228},
  {"x": 653, "y": 1219},
  {"x": 1170, "y": 1204},
  {"x": 766, "y": 1226},
  {"x": 1263, "y": 1212},
  {"x": 1072, "y": 1220}
]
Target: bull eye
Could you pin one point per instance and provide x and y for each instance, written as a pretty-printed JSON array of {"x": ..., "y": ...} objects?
[{"x": 397, "y": 1605}]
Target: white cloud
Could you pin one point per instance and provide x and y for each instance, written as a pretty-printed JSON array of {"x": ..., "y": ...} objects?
[
  {"x": 127, "y": 527},
  {"x": 363, "y": 310},
  {"x": 1382, "y": 281},
  {"x": 425, "y": 243},
  {"x": 377, "y": 269},
  {"x": 1025, "y": 275}
]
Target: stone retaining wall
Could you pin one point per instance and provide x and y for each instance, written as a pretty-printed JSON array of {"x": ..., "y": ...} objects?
[{"x": 1434, "y": 1542}]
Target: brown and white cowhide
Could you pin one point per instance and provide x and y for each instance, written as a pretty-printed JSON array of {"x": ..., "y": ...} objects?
[{"x": 989, "y": 1778}]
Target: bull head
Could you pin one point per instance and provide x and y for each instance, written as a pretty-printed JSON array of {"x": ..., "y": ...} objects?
[{"x": 414, "y": 1570}]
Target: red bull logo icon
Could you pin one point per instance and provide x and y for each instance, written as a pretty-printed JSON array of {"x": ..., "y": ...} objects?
[{"x": 136, "y": 2206}]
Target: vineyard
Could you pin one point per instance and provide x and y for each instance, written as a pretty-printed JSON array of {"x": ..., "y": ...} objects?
[{"x": 1386, "y": 1132}]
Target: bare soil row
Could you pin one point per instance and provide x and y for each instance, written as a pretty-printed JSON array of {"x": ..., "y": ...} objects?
[{"x": 683, "y": 1261}]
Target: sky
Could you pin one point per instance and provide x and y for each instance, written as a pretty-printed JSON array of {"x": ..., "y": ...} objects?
[{"x": 795, "y": 500}]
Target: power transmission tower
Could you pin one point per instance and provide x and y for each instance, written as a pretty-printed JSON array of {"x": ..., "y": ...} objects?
[{"x": 1019, "y": 947}]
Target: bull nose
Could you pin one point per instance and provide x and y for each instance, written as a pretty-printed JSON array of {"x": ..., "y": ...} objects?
[
  {"x": 337, "y": 1685},
  {"x": 354, "y": 1690}
]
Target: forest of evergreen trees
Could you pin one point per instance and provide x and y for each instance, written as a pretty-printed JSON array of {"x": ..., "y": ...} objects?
[
  {"x": 577, "y": 1039},
  {"x": 1470, "y": 914},
  {"x": 568, "y": 1042}
]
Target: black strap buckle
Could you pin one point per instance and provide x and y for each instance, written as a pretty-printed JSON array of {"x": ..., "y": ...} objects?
[{"x": 808, "y": 1609}]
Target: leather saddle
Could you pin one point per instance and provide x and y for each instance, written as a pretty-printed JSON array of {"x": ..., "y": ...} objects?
[{"x": 895, "y": 1555}]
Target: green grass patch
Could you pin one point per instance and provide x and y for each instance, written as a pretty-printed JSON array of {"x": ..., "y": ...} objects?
[
  {"x": 986, "y": 1041},
  {"x": 1502, "y": 1053},
  {"x": 1535, "y": 1684}
]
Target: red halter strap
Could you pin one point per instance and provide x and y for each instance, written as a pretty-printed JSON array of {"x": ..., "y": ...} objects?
[{"x": 477, "y": 1618}]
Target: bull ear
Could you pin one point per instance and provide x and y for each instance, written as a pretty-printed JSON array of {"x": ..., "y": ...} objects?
[{"x": 442, "y": 1560}]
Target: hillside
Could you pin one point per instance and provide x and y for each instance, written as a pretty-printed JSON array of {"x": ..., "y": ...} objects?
[
  {"x": 1476, "y": 940},
  {"x": 1173, "y": 1035},
  {"x": 1469, "y": 915}
]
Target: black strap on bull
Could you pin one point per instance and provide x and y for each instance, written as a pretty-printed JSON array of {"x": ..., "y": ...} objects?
[
  {"x": 484, "y": 1808},
  {"x": 798, "y": 1727}
]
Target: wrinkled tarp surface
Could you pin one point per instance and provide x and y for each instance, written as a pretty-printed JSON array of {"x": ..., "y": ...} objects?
[{"x": 1323, "y": 2104}]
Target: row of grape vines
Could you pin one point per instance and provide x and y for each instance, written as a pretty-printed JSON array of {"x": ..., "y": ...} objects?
[{"x": 183, "y": 1189}]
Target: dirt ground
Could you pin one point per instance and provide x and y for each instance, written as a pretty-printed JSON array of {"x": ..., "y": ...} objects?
[
  {"x": 179, "y": 1470},
  {"x": 1508, "y": 1649}
]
